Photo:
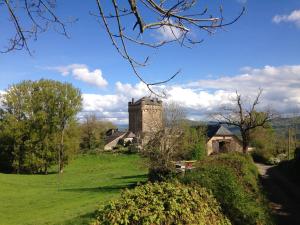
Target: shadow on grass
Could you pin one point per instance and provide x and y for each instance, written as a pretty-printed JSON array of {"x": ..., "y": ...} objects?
[
  {"x": 81, "y": 220},
  {"x": 141, "y": 176},
  {"x": 110, "y": 188}
]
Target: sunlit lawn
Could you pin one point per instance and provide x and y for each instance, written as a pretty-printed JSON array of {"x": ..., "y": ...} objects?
[{"x": 87, "y": 182}]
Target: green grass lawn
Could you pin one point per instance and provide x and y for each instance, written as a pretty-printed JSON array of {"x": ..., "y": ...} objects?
[{"x": 87, "y": 182}]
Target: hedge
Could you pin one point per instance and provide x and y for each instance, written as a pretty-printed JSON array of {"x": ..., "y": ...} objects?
[{"x": 163, "y": 203}]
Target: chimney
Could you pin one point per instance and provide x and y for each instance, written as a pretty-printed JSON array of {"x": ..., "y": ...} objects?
[{"x": 132, "y": 100}]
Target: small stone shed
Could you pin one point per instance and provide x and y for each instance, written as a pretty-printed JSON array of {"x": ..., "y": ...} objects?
[{"x": 220, "y": 139}]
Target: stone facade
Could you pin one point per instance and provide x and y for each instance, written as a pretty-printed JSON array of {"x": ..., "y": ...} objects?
[
  {"x": 145, "y": 116},
  {"x": 220, "y": 139},
  {"x": 218, "y": 144}
]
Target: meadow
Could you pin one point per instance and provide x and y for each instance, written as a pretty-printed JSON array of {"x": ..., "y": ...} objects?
[{"x": 88, "y": 182}]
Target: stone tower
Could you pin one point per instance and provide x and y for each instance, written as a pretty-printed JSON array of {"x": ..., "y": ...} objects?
[{"x": 145, "y": 116}]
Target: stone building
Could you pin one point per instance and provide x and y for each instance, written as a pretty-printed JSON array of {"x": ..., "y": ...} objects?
[
  {"x": 113, "y": 136},
  {"x": 220, "y": 139},
  {"x": 145, "y": 116}
]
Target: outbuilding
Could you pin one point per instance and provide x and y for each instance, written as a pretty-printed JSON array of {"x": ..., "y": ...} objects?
[{"x": 221, "y": 139}]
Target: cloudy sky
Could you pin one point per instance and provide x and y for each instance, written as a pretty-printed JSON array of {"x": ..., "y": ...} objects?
[{"x": 261, "y": 50}]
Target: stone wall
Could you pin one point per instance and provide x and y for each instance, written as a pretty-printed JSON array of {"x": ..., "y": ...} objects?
[
  {"x": 234, "y": 144},
  {"x": 145, "y": 116}
]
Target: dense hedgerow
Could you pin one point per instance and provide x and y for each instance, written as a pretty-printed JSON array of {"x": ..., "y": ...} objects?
[
  {"x": 233, "y": 180},
  {"x": 163, "y": 203},
  {"x": 291, "y": 168}
]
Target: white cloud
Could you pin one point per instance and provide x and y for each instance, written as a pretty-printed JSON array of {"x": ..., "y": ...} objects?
[
  {"x": 137, "y": 91},
  {"x": 293, "y": 17},
  {"x": 114, "y": 107},
  {"x": 168, "y": 33},
  {"x": 82, "y": 73},
  {"x": 281, "y": 85},
  {"x": 281, "y": 91},
  {"x": 1, "y": 99}
]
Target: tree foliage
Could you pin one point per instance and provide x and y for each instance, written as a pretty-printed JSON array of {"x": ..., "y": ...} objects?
[
  {"x": 93, "y": 133},
  {"x": 194, "y": 141},
  {"x": 265, "y": 143},
  {"x": 37, "y": 119}
]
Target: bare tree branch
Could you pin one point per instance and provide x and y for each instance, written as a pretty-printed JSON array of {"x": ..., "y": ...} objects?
[
  {"x": 243, "y": 117},
  {"x": 40, "y": 15},
  {"x": 180, "y": 18},
  {"x": 171, "y": 16}
]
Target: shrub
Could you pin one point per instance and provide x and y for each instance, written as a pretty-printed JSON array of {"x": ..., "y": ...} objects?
[
  {"x": 133, "y": 148},
  {"x": 261, "y": 156},
  {"x": 297, "y": 154},
  {"x": 160, "y": 174},
  {"x": 163, "y": 203},
  {"x": 291, "y": 168},
  {"x": 297, "y": 161},
  {"x": 233, "y": 180},
  {"x": 242, "y": 166}
]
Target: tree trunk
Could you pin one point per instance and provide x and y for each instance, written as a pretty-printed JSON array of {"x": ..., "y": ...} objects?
[
  {"x": 245, "y": 137},
  {"x": 245, "y": 147},
  {"x": 46, "y": 169},
  {"x": 245, "y": 140},
  {"x": 61, "y": 153}
]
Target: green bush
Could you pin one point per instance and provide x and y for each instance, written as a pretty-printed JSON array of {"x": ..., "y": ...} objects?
[
  {"x": 163, "y": 203},
  {"x": 242, "y": 166},
  {"x": 233, "y": 180},
  {"x": 261, "y": 156}
]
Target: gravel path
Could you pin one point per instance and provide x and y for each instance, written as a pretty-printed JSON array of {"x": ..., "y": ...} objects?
[{"x": 284, "y": 196}]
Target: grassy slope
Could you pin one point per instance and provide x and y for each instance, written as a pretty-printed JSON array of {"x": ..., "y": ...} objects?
[{"x": 87, "y": 182}]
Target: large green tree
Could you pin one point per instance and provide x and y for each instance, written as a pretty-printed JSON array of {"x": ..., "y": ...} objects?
[{"x": 35, "y": 118}]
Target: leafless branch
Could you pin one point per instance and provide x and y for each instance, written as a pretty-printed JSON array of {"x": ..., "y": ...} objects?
[
  {"x": 38, "y": 16},
  {"x": 179, "y": 18},
  {"x": 245, "y": 118}
]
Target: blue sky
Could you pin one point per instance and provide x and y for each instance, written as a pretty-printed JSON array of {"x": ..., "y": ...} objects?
[{"x": 262, "y": 50}]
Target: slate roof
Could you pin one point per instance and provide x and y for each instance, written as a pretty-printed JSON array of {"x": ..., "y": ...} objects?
[
  {"x": 113, "y": 136},
  {"x": 217, "y": 130},
  {"x": 129, "y": 134},
  {"x": 116, "y": 134}
]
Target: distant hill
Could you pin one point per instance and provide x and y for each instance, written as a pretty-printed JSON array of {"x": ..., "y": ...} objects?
[
  {"x": 280, "y": 125},
  {"x": 122, "y": 127}
]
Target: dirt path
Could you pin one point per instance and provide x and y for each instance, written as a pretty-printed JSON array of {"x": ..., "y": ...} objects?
[{"x": 283, "y": 195}]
